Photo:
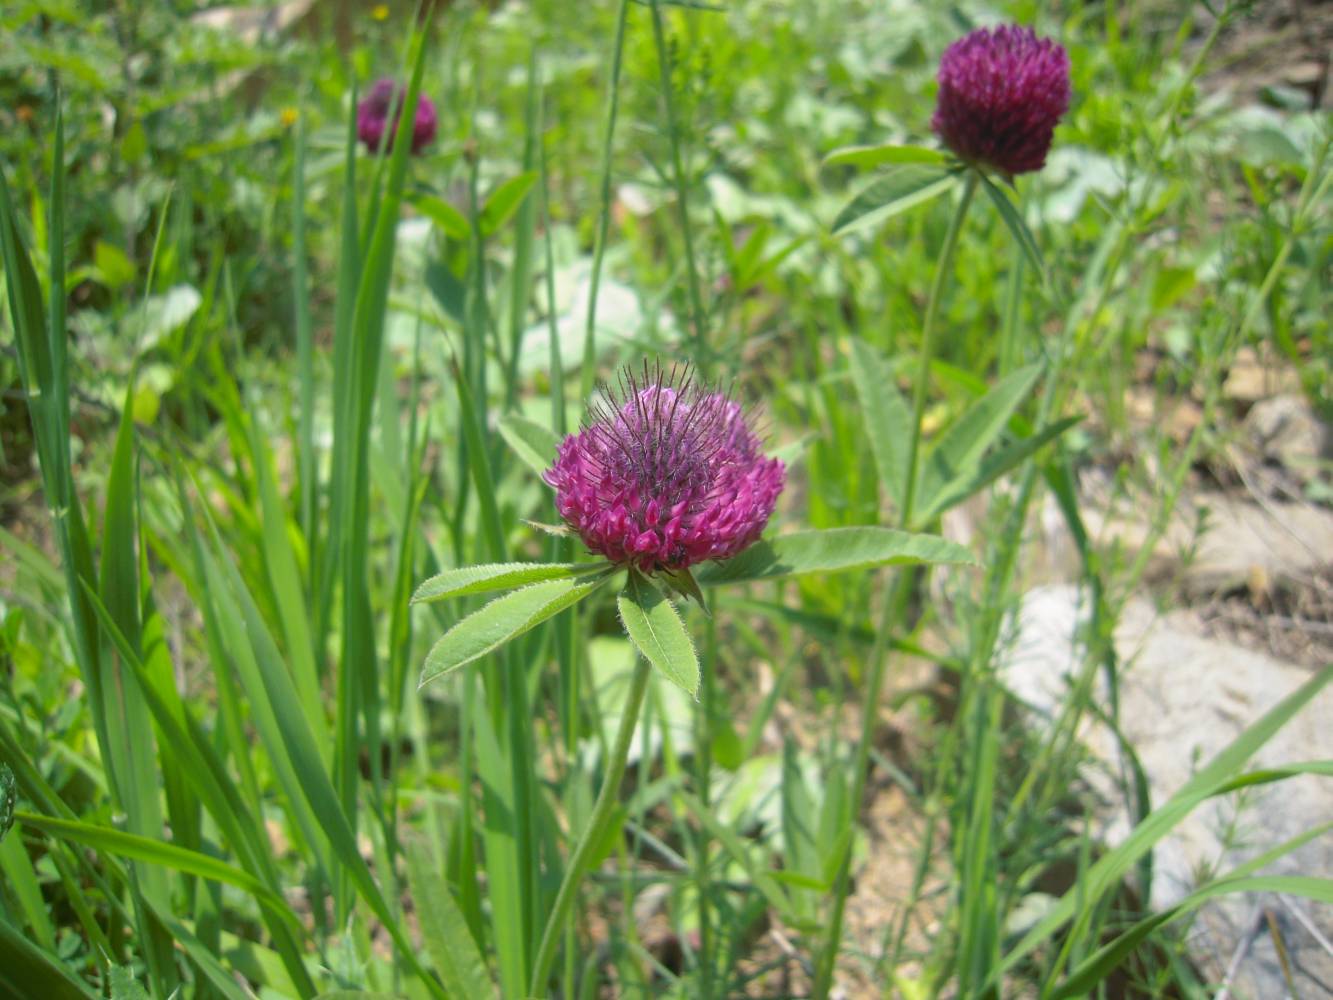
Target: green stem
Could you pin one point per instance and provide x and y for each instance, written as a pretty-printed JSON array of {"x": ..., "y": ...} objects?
[
  {"x": 703, "y": 757},
  {"x": 682, "y": 191},
  {"x": 587, "y": 374},
  {"x": 896, "y": 596},
  {"x": 595, "y": 831},
  {"x": 942, "y": 273}
]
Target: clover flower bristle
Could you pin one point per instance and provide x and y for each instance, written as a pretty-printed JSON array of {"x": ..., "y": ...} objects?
[
  {"x": 665, "y": 473},
  {"x": 380, "y": 110},
  {"x": 1002, "y": 91}
]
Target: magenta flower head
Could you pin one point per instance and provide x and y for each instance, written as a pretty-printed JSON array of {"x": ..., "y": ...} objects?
[
  {"x": 1001, "y": 93},
  {"x": 380, "y": 110},
  {"x": 665, "y": 473}
]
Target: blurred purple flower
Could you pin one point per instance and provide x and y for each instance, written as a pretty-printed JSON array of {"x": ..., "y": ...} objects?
[
  {"x": 1001, "y": 93},
  {"x": 380, "y": 110},
  {"x": 665, "y": 474}
]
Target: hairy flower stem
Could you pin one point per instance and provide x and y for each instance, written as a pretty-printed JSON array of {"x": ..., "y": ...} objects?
[
  {"x": 595, "y": 831},
  {"x": 897, "y": 596}
]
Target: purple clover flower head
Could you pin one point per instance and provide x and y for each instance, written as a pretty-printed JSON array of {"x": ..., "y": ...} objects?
[
  {"x": 1001, "y": 93},
  {"x": 380, "y": 110},
  {"x": 665, "y": 473}
]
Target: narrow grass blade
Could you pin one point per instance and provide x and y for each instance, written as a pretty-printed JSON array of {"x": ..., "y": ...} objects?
[
  {"x": 471, "y": 409},
  {"x": 1109, "y": 869},
  {"x": 305, "y": 355},
  {"x": 503, "y": 853},
  {"x": 158, "y": 852},
  {"x": 284, "y": 582},
  {"x": 209, "y": 780},
  {"x": 525, "y": 236},
  {"x": 131, "y": 751},
  {"x": 205, "y": 959},
  {"x": 27, "y": 971},
  {"x": 1097, "y": 967},
  {"x": 289, "y": 739},
  {"x": 358, "y": 690},
  {"x": 21, "y": 878}
]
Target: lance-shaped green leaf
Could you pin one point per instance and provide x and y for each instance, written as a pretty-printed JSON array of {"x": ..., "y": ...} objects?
[
  {"x": 497, "y": 576},
  {"x": 444, "y": 930},
  {"x": 887, "y": 417},
  {"x": 503, "y": 619},
  {"x": 1017, "y": 227},
  {"x": 896, "y": 191},
  {"x": 961, "y": 446},
  {"x": 992, "y": 468},
  {"x": 655, "y": 628},
  {"x": 451, "y": 221},
  {"x": 834, "y": 550},
  {"x": 877, "y": 156},
  {"x": 504, "y": 202},
  {"x": 536, "y": 444}
]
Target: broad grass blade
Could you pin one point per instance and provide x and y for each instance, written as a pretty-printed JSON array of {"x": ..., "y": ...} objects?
[{"x": 444, "y": 931}]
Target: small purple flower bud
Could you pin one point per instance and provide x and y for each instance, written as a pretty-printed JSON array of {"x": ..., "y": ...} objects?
[
  {"x": 1001, "y": 93},
  {"x": 666, "y": 473},
  {"x": 380, "y": 110}
]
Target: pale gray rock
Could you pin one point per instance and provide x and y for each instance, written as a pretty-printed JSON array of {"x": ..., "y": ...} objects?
[
  {"x": 1286, "y": 431},
  {"x": 1183, "y": 698},
  {"x": 1218, "y": 543}
]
